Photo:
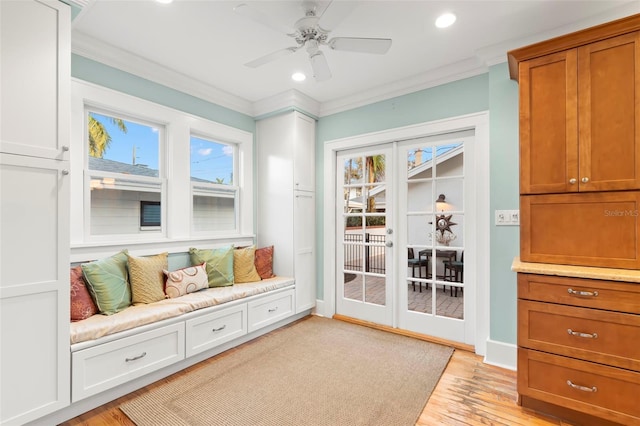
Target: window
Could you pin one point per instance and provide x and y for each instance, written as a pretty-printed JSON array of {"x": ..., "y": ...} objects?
[
  {"x": 214, "y": 193},
  {"x": 150, "y": 214},
  {"x": 123, "y": 174},
  {"x": 171, "y": 178}
]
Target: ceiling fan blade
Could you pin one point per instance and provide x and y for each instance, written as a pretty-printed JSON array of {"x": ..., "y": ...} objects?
[
  {"x": 271, "y": 57},
  {"x": 320, "y": 67},
  {"x": 378, "y": 46},
  {"x": 260, "y": 17},
  {"x": 334, "y": 13}
]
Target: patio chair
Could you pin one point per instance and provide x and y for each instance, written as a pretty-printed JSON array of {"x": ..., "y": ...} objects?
[
  {"x": 414, "y": 263},
  {"x": 453, "y": 271}
]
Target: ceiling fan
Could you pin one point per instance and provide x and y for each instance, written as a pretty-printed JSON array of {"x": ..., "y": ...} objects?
[{"x": 311, "y": 32}]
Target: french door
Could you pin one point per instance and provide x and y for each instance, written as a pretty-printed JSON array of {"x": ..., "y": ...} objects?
[
  {"x": 405, "y": 227},
  {"x": 365, "y": 245}
]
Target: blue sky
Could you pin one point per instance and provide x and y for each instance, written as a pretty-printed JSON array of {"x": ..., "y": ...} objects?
[{"x": 209, "y": 160}]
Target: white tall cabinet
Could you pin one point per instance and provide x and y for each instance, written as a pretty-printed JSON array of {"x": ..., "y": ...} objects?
[
  {"x": 286, "y": 198},
  {"x": 34, "y": 209}
]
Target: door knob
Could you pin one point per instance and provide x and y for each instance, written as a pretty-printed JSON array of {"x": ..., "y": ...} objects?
[
  {"x": 572, "y": 181},
  {"x": 389, "y": 244},
  {"x": 585, "y": 179}
]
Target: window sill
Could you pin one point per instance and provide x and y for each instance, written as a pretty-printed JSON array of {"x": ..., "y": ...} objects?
[{"x": 83, "y": 252}]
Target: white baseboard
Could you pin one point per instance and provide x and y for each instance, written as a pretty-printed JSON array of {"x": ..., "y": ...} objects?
[
  {"x": 501, "y": 354},
  {"x": 320, "y": 308}
]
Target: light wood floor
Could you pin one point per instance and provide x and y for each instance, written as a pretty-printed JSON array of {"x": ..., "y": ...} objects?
[{"x": 468, "y": 393}]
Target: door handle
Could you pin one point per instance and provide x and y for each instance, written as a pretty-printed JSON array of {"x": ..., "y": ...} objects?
[{"x": 389, "y": 244}]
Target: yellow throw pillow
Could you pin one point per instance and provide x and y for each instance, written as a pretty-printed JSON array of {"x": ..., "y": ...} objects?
[
  {"x": 244, "y": 268},
  {"x": 146, "y": 278}
]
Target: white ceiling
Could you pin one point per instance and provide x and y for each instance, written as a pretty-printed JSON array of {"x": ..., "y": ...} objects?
[{"x": 200, "y": 46}]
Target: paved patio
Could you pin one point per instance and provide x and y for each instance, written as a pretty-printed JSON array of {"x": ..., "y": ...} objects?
[{"x": 446, "y": 305}]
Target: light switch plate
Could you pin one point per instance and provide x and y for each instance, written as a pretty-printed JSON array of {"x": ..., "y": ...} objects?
[{"x": 507, "y": 217}]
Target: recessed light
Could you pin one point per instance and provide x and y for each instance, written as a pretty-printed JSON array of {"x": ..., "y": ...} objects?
[
  {"x": 445, "y": 20},
  {"x": 298, "y": 76}
]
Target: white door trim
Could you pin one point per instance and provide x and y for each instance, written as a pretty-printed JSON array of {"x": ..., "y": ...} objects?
[{"x": 479, "y": 122}]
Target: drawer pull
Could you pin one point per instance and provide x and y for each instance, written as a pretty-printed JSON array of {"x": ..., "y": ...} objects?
[
  {"x": 219, "y": 328},
  {"x": 273, "y": 309},
  {"x": 585, "y": 335},
  {"x": 142, "y": 355},
  {"x": 582, "y": 388},
  {"x": 582, "y": 293}
]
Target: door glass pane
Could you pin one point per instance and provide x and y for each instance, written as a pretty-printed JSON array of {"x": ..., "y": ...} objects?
[
  {"x": 435, "y": 224},
  {"x": 364, "y": 234}
]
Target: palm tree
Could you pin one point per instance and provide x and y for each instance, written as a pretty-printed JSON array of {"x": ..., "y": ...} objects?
[
  {"x": 375, "y": 169},
  {"x": 99, "y": 137}
]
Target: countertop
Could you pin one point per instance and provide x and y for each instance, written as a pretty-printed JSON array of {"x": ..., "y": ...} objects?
[{"x": 611, "y": 274}]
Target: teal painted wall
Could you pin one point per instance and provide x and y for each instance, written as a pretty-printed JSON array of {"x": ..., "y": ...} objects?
[
  {"x": 113, "y": 78},
  {"x": 504, "y": 174},
  {"x": 492, "y": 91}
]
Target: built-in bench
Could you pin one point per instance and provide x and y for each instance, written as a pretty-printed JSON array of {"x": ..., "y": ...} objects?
[{"x": 112, "y": 355}]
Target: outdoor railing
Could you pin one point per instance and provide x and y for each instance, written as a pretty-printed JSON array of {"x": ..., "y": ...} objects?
[{"x": 374, "y": 252}]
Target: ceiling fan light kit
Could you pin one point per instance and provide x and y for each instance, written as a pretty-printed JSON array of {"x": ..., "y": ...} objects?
[{"x": 311, "y": 32}]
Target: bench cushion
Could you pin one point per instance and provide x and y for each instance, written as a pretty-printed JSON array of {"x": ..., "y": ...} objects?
[{"x": 140, "y": 314}]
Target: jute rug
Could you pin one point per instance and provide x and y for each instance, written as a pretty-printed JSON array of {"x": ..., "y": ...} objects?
[{"x": 317, "y": 371}]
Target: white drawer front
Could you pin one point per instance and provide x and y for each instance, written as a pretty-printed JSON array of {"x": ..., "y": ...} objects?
[
  {"x": 270, "y": 309},
  {"x": 214, "y": 329},
  {"x": 102, "y": 367}
]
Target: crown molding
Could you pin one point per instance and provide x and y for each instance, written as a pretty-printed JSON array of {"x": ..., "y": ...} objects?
[
  {"x": 107, "y": 54},
  {"x": 288, "y": 99},
  {"x": 436, "y": 77}
]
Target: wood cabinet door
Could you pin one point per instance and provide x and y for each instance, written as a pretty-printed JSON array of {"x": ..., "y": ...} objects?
[
  {"x": 584, "y": 229},
  {"x": 548, "y": 124},
  {"x": 609, "y": 114}
]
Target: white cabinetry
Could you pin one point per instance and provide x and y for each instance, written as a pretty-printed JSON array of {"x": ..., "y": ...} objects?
[
  {"x": 286, "y": 199},
  {"x": 34, "y": 209}
]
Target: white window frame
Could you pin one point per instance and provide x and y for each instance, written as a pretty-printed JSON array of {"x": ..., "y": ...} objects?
[
  {"x": 138, "y": 182},
  {"x": 213, "y": 189},
  {"x": 179, "y": 126}
]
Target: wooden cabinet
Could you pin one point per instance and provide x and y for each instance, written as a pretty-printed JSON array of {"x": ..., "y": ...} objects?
[
  {"x": 588, "y": 229},
  {"x": 34, "y": 209},
  {"x": 579, "y": 119},
  {"x": 286, "y": 199},
  {"x": 577, "y": 344},
  {"x": 578, "y": 355}
]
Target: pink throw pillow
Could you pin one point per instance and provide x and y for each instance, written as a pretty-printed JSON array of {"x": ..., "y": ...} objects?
[{"x": 82, "y": 305}]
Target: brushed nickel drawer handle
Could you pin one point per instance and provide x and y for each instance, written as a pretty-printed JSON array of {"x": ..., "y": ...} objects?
[
  {"x": 142, "y": 355},
  {"x": 219, "y": 328},
  {"x": 273, "y": 309},
  {"x": 582, "y": 293},
  {"x": 582, "y": 388},
  {"x": 585, "y": 335}
]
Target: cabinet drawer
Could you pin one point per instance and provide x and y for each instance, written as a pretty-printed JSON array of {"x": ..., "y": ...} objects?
[
  {"x": 216, "y": 328},
  {"x": 271, "y": 309},
  {"x": 609, "y": 295},
  {"x": 600, "y": 336},
  {"x": 102, "y": 367},
  {"x": 594, "y": 389},
  {"x": 585, "y": 229}
]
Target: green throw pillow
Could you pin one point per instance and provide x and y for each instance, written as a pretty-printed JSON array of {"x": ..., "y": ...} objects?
[
  {"x": 219, "y": 264},
  {"x": 108, "y": 283}
]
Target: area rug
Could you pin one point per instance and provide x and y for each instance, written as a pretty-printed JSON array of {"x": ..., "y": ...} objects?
[{"x": 317, "y": 371}]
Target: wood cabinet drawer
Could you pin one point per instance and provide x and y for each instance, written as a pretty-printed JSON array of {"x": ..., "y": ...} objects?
[
  {"x": 216, "y": 328},
  {"x": 102, "y": 367},
  {"x": 600, "y": 336},
  {"x": 609, "y": 295},
  {"x": 270, "y": 309},
  {"x": 599, "y": 390},
  {"x": 585, "y": 229}
]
